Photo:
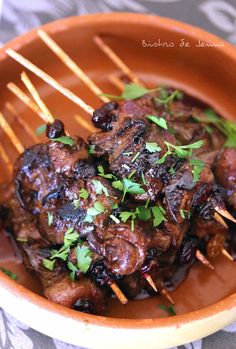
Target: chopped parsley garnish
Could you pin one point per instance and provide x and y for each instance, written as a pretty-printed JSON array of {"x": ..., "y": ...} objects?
[
  {"x": 50, "y": 218},
  {"x": 65, "y": 140},
  {"x": 159, "y": 121},
  {"x": 182, "y": 151},
  {"x": 102, "y": 173},
  {"x": 73, "y": 270},
  {"x": 128, "y": 186},
  {"x": 144, "y": 213},
  {"x": 132, "y": 174},
  {"x": 166, "y": 99},
  {"x": 227, "y": 127},
  {"x": 132, "y": 91},
  {"x": 135, "y": 156},
  {"x": 76, "y": 203},
  {"x": 48, "y": 264},
  {"x": 9, "y": 273},
  {"x": 158, "y": 213},
  {"x": 172, "y": 171},
  {"x": 83, "y": 193},
  {"x": 91, "y": 149},
  {"x": 153, "y": 147},
  {"x": 94, "y": 211},
  {"x": 198, "y": 166},
  {"x": 169, "y": 309},
  {"x": 22, "y": 239},
  {"x": 114, "y": 218},
  {"x": 41, "y": 129},
  {"x": 185, "y": 214},
  {"x": 100, "y": 188},
  {"x": 84, "y": 258},
  {"x": 71, "y": 236}
]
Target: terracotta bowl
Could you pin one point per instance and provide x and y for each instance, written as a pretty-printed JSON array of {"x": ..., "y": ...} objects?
[{"x": 206, "y": 300}]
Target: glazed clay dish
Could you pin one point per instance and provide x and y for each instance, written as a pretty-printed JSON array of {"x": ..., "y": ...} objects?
[{"x": 160, "y": 52}]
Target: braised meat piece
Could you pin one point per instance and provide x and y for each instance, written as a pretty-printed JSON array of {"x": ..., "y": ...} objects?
[
  {"x": 180, "y": 191},
  {"x": 84, "y": 214},
  {"x": 73, "y": 294},
  {"x": 34, "y": 177},
  {"x": 225, "y": 171},
  {"x": 124, "y": 250}
]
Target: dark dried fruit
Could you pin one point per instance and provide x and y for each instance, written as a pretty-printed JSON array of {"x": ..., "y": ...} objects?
[
  {"x": 84, "y": 305},
  {"x": 55, "y": 129},
  {"x": 187, "y": 252},
  {"x": 103, "y": 117}
]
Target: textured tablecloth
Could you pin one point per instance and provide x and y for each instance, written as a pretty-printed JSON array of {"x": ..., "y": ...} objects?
[{"x": 19, "y": 16}]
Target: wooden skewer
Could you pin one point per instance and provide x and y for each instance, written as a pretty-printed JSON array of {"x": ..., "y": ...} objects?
[
  {"x": 150, "y": 281},
  {"x": 119, "y": 294},
  {"x": 5, "y": 158},
  {"x": 26, "y": 100},
  {"x": 166, "y": 294},
  {"x": 11, "y": 134},
  {"x": 34, "y": 93},
  {"x": 116, "y": 60},
  {"x": 163, "y": 291},
  {"x": 220, "y": 220},
  {"x": 227, "y": 255},
  {"x": 85, "y": 124},
  {"x": 22, "y": 122},
  {"x": 48, "y": 79},
  {"x": 204, "y": 260},
  {"x": 116, "y": 81},
  {"x": 225, "y": 214},
  {"x": 63, "y": 56}
]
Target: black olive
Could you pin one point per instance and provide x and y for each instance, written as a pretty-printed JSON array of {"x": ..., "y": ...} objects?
[
  {"x": 84, "y": 305},
  {"x": 55, "y": 129}
]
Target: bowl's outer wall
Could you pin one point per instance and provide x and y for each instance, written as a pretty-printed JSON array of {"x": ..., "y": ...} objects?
[{"x": 206, "y": 73}]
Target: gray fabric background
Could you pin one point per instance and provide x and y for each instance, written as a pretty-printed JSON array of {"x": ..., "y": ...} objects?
[{"x": 19, "y": 16}]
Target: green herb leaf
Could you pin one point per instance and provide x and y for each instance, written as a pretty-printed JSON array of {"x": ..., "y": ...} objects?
[
  {"x": 128, "y": 186},
  {"x": 172, "y": 171},
  {"x": 91, "y": 149},
  {"x": 198, "y": 166},
  {"x": 125, "y": 216},
  {"x": 170, "y": 310},
  {"x": 71, "y": 236},
  {"x": 65, "y": 140},
  {"x": 9, "y": 273},
  {"x": 76, "y": 203},
  {"x": 185, "y": 214},
  {"x": 114, "y": 218},
  {"x": 153, "y": 147},
  {"x": 83, "y": 193},
  {"x": 144, "y": 213},
  {"x": 159, "y": 121},
  {"x": 48, "y": 264},
  {"x": 166, "y": 99},
  {"x": 50, "y": 218},
  {"x": 158, "y": 214},
  {"x": 84, "y": 259},
  {"x": 135, "y": 156},
  {"x": 132, "y": 91},
  {"x": 73, "y": 270},
  {"x": 227, "y": 127},
  {"x": 102, "y": 173},
  {"x": 41, "y": 129},
  {"x": 99, "y": 187}
]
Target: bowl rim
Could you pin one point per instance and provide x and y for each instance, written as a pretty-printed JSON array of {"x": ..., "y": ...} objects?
[{"x": 22, "y": 292}]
